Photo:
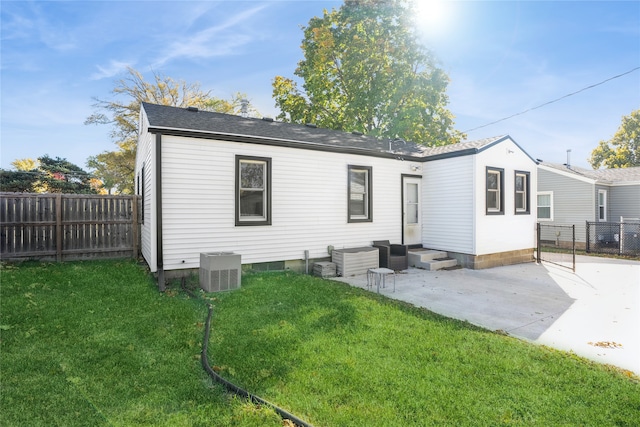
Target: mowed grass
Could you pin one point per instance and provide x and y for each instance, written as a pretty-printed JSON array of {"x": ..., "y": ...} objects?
[
  {"x": 95, "y": 343},
  {"x": 341, "y": 356}
]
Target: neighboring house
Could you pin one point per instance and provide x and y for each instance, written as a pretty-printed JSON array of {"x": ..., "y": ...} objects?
[
  {"x": 569, "y": 195},
  {"x": 280, "y": 194}
]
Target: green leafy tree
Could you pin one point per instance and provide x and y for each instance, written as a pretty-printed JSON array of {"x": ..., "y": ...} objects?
[
  {"x": 18, "y": 181},
  {"x": 623, "y": 150},
  {"x": 116, "y": 168},
  {"x": 25, "y": 164},
  {"x": 48, "y": 175},
  {"x": 61, "y": 176},
  {"x": 363, "y": 70}
]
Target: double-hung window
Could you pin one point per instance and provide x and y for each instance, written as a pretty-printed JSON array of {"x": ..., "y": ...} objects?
[
  {"x": 545, "y": 206},
  {"x": 602, "y": 205},
  {"x": 521, "y": 195},
  {"x": 359, "y": 194},
  {"x": 253, "y": 190},
  {"x": 495, "y": 193}
]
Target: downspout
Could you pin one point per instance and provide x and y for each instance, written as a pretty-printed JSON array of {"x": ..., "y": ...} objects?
[
  {"x": 159, "y": 260},
  {"x": 474, "y": 213}
]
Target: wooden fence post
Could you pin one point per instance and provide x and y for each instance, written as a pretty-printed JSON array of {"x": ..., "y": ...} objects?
[
  {"x": 135, "y": 226},
  {"x": 59, "y": 230}
]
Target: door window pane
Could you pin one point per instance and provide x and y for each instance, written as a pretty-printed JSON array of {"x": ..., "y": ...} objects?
[
  {"x": 412, "y": 214},
  {"x": 412, "y": 203}
]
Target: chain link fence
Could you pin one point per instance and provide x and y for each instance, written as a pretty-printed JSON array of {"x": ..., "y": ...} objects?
[{"x": 619, "y": 238}]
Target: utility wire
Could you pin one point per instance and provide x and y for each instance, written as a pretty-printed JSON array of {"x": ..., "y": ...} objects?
[{"x": 555, "y": 100}]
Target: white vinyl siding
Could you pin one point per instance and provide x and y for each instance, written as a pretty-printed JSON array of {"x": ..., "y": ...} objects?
[
  {"x": 507, "y": 231},
  {"x": 447, "y": 214},
  {"x": 454, "y": 203},
  {"x": 307, "y": 214},
  {"x": 145, "y": 155}
]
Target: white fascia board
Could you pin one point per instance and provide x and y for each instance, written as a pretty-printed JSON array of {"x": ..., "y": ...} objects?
[{"x": 622, "y": 184}]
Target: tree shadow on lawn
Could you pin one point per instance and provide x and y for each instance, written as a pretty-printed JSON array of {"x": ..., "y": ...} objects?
[
  {"x": 276, "y": 323},
  {"x": 339, "y": 355}
]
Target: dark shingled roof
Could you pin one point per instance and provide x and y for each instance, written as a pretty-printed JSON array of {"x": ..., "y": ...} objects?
[
  {"x": 206, "y": 124},
  {"x": 617, "y": 175},
  {"x": 163, "y": 118}
]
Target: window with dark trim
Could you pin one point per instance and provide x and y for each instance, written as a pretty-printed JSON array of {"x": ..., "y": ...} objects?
[
  {"x": 253, "y": 190},
  {"x": 495, "y": 191},
  {"x": 359, "y": 194},
  {"x": 142, "y": 193},
  {"x": 521, "y": 196}
]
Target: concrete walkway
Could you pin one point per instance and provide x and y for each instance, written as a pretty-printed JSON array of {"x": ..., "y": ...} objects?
[{"x": 594, "y": 312}]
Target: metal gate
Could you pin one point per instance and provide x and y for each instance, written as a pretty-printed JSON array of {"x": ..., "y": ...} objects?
[{"x": 556, "y": 244}]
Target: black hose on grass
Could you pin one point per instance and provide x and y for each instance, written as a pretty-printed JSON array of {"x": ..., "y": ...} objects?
[{"x": 229, "y": 385}]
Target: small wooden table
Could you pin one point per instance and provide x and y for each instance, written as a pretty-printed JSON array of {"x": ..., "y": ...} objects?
[{"x": 378, "y": 275}]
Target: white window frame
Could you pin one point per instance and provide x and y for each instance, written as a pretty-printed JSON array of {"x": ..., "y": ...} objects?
[
  {"x": 545, "y": 193},
  {"x": 498, "y": 210},
  {"x": 265, "y": 218},
  {"x": 602, "y": 205},
  {"x": 365, "y": 194},
  {"x": 525, "y": 193}
]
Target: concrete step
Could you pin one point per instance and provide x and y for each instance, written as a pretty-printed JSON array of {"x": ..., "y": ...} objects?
[
  {"x": 424, "y": 255},
  {"x": 430, "y": 259},
  {"x": 438, "y": 264}
]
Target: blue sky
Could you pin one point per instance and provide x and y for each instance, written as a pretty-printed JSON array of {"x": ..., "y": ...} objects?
[{"x": 502, "y": 58}]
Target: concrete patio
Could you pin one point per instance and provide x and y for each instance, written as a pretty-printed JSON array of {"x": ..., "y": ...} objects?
[{"x": 594, "y": 312}]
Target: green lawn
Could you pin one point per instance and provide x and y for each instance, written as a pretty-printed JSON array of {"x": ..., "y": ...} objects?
[
  {"x": 336, "y": 355},
  {"x": 95, "y": 343}
]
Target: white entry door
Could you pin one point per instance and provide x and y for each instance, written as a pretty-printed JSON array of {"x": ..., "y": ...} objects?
[{"x": 411, "y": 211}]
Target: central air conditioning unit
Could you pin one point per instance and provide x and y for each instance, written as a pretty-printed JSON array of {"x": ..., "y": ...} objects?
[{"x": 220, "y": 271}]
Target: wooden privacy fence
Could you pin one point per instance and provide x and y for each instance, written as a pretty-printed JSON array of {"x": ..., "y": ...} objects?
[{"x": 65, "y": 227}]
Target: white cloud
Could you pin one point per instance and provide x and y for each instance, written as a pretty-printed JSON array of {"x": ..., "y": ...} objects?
[
  {"x": 211, "y": 42},
  {"x": 114, "y": 68}
]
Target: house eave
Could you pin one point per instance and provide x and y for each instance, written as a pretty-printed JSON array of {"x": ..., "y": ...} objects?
[
  {"x": 567, "y": 174},
  {"x": 624, "y": 183},
  {"x": 290, "y": 143},
  {"x": 475, "y": 150},
  {"x": 451, "y": 155}
]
